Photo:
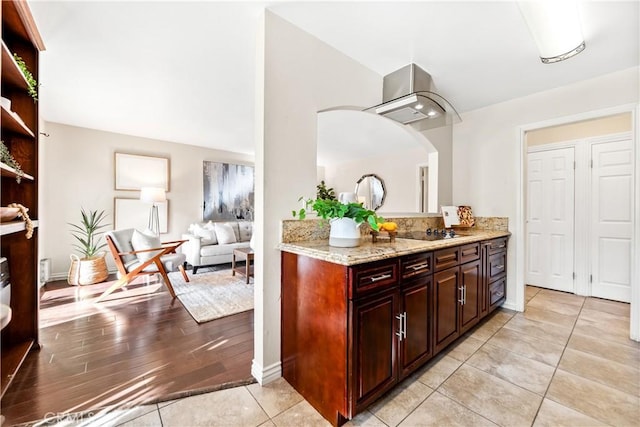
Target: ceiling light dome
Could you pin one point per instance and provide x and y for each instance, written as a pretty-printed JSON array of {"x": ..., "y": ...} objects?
[{"x": 555, "y": 28}]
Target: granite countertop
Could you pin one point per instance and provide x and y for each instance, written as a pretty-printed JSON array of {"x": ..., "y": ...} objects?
[{"x": 382, "y": 249}]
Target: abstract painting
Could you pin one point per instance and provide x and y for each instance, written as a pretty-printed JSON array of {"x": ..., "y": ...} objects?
[{"x": 228, "y": 192}]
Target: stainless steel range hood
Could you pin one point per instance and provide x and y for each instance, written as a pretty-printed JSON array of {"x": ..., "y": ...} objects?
[{"x": 408, "y": 98}]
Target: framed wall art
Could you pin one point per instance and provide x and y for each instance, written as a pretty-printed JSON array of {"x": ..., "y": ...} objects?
[
  {"x": 228, "y": 192},
  {"x": 134, "y": 213},
  {"x": 134, "y": 172}
]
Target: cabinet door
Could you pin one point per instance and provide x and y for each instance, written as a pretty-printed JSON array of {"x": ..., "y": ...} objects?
[
  {"x": 375, "y": 346},
  {"x": 415, "y": 347},
  {"x": 446, "y": 296},
  {"x": 470, "y": 281}
]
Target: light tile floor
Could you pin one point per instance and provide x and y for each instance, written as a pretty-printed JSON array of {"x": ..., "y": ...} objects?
[{"x": 567, "y": 360}]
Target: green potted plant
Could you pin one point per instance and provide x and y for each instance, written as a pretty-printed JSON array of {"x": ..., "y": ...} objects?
[
  {"x": 91, "y": 267},
  {"x": 345, "y": 219},
  {"x": 32, "y": 85},
  {"x": 9, "y": 160}
]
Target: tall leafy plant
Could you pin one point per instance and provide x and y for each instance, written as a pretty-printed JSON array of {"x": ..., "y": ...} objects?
[
  {"x": 88, "y": 233},
  {"x": 328, "y": 209},
  {"x": 32, "y": 85}
]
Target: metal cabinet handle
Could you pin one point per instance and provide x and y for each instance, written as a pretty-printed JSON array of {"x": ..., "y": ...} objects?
[
  {"x": 404, "y": 331},
  {"x": 416, "y": 267},
  {"x": 402, "y": 323},
  {"x": 461, "y": 300},
  {"x": 380, "y": 277},
  {"x": 500, "y": 267}
]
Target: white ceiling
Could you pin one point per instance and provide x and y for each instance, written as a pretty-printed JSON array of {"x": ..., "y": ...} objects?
[{"x": 184, "y": 71}]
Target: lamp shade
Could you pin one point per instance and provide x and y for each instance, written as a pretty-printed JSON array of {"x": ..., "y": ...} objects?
[
  {"x": 555, "y": 28},
  {"x": 153, "y": 194}
]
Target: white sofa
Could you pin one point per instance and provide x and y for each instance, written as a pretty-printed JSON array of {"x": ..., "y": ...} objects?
[{"x": 213, "y": 243}]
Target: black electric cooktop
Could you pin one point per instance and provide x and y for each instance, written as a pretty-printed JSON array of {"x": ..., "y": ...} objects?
[{"x": 428, "y": 235}]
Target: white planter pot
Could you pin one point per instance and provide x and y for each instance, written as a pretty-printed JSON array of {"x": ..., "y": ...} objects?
[{"x": 345, "y": 233}]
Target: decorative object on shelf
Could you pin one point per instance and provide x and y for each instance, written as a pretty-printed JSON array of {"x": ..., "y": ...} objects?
[
  {"x": 153, "y": 195},
  {"x": 8, "y": 214},
  {"x": 371, "y": 191},
  {"x": 228, "y": 192},
  {"x": 31, "y": 81},
  {"x": 22, "y": 213},
  {"x": 322, "y": 192},
  {"x": 466, "y": 216},
  {"x": 375, "y": 235},
  {"x": 134, "y": 172},
  {"x": 345, "y": 220},
  {"x": 9, "y": 160},
  {"x": 92, "y": 267}
]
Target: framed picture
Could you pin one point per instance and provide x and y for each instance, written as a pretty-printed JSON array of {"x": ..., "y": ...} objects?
[
  {"x": 134, "y": 172},
  {"x": 228, "y": 191},
  {"x": 134, "y": 213}
]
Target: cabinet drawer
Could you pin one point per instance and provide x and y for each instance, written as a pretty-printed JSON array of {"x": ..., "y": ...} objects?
[
  {"x": 497, "y": 293},
  {"x": 416, "y": 265},
  {"x": 370, "y": 277},
  {"x": 497, "y": 245},
  {"x": 445, "y": 258},
  {"x": 469, "y": 252},
  {"x": 497, "y": 265}
]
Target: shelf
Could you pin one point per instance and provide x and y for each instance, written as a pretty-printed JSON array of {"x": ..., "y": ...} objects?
[
  {"x": 14, "y": 226},
  {"x": 11, "y": 172},
  {"x": 12, "y": 358},
  {"x": 11, "y": 73},
  {"x": 12, "y": 122}
]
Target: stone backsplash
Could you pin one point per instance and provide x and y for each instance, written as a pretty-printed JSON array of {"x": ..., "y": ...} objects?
[{"x": 294, "y": 230}]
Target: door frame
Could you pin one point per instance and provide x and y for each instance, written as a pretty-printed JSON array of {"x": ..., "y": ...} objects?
[{"x": 634, "y": 109}]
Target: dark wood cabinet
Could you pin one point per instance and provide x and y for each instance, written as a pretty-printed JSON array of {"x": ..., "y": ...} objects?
[
  {"x": 350, "y": 333},
  {"x": 470, "y": 284},
  {"x": 376, "y": 325},
  {"x": 446, "y": 294},
  {"x": 20, "y": 135},
  {"x": 415, "y": 347}
]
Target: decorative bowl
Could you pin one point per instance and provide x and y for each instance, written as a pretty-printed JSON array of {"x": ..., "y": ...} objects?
[{"x": 8, "y": 214}]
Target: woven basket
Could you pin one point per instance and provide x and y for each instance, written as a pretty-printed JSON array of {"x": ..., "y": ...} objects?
[{"x": 87, "y": 271}]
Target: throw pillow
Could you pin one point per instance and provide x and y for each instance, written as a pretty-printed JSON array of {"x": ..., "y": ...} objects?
[
  {"x": 141, "y": 241},
  {"x": 225, "y": 234},
  {"x": 208, "y": 235},
  {"x": 245, "y": 228}
]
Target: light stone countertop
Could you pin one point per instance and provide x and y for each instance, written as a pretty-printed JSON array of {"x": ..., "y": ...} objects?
[{"x": 383, "y": 249}]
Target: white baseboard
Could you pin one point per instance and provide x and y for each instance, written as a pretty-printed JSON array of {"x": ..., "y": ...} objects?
[
  {"x": 268, "y": 374},
  {"x": 63, "y": 276},
  {"x": 510, "y": 306}
]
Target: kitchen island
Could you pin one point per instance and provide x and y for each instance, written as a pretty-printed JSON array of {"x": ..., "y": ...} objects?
[{"x": 356, "y": 321}]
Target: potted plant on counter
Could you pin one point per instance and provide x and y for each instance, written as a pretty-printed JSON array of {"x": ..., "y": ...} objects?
[
  {"x": 92, "y": 267},
  {"x": 345, "y": 219}
]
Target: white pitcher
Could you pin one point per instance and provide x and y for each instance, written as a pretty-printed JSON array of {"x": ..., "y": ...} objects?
[
  {"x": 346, "y": 198},
  {"x": 345, "y": 233}
]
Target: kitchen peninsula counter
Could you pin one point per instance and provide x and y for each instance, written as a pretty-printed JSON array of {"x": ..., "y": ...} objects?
[{"x": 383, "y": 249}]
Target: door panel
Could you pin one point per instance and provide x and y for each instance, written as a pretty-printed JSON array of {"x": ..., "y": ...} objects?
[
  {"x": 376, "y": 326},
  {"x": 446, "y": 295},
  {"x": 416, "y": 346},
  {"x": 550, "y": 219},
  {"x": 611, "y": 219},
  {"x": 470, "y": 280}
]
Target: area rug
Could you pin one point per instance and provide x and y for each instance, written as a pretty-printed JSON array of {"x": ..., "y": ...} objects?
[{"x": 210, "y": 296}]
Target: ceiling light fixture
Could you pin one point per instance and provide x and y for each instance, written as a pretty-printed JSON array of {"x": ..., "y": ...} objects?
[
  {"x": 419, "y": 106},
  {"x": 555, "y": 27}
]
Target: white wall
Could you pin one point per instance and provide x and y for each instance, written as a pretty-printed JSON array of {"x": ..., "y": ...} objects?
[
  {"x": 398, "y": 170},
  {"x": 486, "y": 149},
  {"x": 77, "y": 170},
  {"x": 297, "y": 76}
]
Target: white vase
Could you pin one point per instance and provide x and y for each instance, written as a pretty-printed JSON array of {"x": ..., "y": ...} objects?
[{"x": 345, "y": 233}]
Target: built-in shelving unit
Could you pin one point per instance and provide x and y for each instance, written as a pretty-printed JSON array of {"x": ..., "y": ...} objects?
[{"x": 20, "y": 134}]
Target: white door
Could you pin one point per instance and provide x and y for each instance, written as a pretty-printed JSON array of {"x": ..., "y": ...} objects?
[
  {"x": 611, "y": 219},
  {"x": 550, "y": 219}
]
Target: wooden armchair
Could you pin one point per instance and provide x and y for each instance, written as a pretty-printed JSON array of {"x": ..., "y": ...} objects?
[{"x": 164, "y": 258}]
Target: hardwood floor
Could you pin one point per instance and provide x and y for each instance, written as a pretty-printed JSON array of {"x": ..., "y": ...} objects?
[{"x": 139, "y": 346}]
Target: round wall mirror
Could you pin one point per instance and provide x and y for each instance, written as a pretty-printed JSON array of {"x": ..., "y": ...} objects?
[{"x": 370, "y": 191}]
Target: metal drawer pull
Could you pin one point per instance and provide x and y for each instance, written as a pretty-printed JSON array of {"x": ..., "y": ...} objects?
[
  {"x": 500, "y": 267},
  {"x": 416, "y": 267},
  {"x": 380, "y": 277},
  {"x": 402, "y": 333},
  {"x": 500, "y": 246},
  {"x": 461, "y": 300}
]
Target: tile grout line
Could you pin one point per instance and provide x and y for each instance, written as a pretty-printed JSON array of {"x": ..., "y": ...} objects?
[{"x": 555, "y": 369}]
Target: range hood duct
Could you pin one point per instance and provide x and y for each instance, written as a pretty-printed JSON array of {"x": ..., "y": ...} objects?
[{"x": 408, "y": 98}]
